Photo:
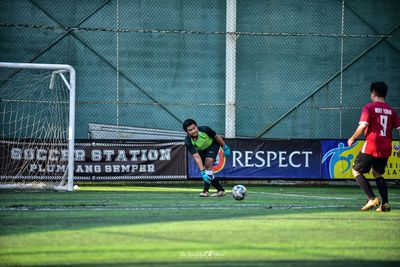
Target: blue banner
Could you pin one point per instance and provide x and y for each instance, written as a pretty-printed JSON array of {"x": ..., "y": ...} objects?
[{"x": 259, "y": 159}]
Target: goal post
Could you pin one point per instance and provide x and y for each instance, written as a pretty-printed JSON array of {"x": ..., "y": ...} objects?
[{"x": 38, "y": 120}]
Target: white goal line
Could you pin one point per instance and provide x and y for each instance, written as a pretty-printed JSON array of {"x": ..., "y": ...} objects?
[{"x": 303, "y": 196}]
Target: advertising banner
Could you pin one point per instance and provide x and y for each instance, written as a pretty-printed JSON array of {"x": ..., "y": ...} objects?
[
  {"x": 338, "y": 157},
  {"x": 258, "y": 159},
  {"x": 168, "y": 160},
  {"x": 103, "y": 160}
]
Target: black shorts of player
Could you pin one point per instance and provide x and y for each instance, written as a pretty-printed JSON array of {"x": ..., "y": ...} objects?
[
  {"x": 210, "y": 152},
  {"x": 364, "y": 162}
]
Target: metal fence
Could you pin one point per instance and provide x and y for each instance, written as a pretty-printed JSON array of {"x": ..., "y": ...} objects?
[{"x": 303, "y": 68}]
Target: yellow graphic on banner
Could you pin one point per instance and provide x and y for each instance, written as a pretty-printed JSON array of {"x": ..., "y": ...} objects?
[{"x": 343, "y": 167}]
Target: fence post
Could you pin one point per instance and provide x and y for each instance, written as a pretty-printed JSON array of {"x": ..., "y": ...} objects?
[{"x": 230, "y": 68}]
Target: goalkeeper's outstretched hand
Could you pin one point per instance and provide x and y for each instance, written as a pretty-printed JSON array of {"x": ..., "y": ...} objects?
[
  {"x": 206, "y": 178},
  {"x": 227, "y": 150}
]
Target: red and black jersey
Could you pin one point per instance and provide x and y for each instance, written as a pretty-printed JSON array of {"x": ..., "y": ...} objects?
[{"x": 381, "y": 119}]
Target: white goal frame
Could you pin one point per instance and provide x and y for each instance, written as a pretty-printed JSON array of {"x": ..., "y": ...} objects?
[{"x": 58, "y": 69}]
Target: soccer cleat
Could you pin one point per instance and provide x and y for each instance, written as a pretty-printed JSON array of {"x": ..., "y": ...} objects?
[
  {"x": 384, "y": 208},
  {"x": 204, "y": 194},
  {"x": 219, "y": 194},
  {"x": 370, "y": 204}
]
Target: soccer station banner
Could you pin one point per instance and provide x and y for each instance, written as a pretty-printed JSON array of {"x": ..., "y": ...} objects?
[
  {"x": 258, "y": 159},
  {"x": 95, "y": 160},
  {"x": 338, "y": 157}
]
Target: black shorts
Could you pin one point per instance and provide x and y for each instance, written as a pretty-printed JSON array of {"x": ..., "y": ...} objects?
[
  {"x": 364, "y": 162},
  {"x": 210, "y": 152}
]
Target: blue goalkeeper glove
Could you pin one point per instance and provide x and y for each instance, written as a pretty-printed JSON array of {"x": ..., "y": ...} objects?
[
  {"x": 206, "y": 178},
  {"x": 227, "y": 150}
]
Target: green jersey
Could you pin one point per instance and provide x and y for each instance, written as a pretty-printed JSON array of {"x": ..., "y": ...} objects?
[{"x": 204, "y": 140}]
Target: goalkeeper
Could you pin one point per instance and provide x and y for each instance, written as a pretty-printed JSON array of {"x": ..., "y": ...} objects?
[{"x": 203, "y": 143}]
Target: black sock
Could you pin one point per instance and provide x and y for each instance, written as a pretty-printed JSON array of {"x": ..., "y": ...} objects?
[
  {"x": 206, "y": 187},
  {"x": 217, "y": 185},
  {"x": 364, "y": 185},
  {"x": 382, "y": 187}
]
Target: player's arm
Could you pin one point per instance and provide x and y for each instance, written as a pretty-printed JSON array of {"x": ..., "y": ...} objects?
[
  {"x": 225, "y": 147},
  {"x": 207, "y": 179},
  {"x": 219, "y": 140},
  {"x": 195, "y": 154},
  {"x": 210, "y": 132},
  {"x": 197, "y": 159},
  {"x": 199, "y": 162},
  {"x": 362, "y": 125},
  {"x": 359, "y": 131}
]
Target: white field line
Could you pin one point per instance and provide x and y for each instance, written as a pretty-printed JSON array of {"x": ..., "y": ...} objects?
[
  {"x": 303, "y": 196},
  {"x": 191, "y": 196},
  {"x": 170, "y": 207}
]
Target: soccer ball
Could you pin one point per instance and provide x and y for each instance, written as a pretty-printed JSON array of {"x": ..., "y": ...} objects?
[{"x": 239, "y": 192}]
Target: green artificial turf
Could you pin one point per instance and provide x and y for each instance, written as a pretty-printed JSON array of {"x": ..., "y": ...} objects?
[{"x": 172, "y": 226}]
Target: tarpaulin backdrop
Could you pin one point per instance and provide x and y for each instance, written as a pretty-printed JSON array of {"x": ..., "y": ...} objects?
[
  {"x": 164, "y": 160},
  {"x": 258, "y": 159},
  {"x": 103, "y": 160}
]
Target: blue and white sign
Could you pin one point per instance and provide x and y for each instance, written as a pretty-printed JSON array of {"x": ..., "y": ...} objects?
[{"x": 259, "y": 159}]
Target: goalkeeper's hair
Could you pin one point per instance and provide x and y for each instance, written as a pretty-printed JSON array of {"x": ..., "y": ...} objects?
[
  {"x": 187, "y": 123},
  {"x": 379, "y": 88}
]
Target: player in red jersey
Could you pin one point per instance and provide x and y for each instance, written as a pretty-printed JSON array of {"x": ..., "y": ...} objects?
[{"x": 377, "y": 121}]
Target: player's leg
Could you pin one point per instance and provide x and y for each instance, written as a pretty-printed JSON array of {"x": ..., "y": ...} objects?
[
  {"x": 211, "y": 155},
  {"x": 378, "y": 169},
  {"x": 215, "y": 182},
  {"x": 206, "y": 186},
  {"x": 363, "y": 164}
]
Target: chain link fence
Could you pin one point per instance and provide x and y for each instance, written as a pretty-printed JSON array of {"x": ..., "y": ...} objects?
[{"x": 303, "y": 68}]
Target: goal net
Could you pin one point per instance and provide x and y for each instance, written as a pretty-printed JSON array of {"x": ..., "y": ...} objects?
[{"x": 37, "y": 111}]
